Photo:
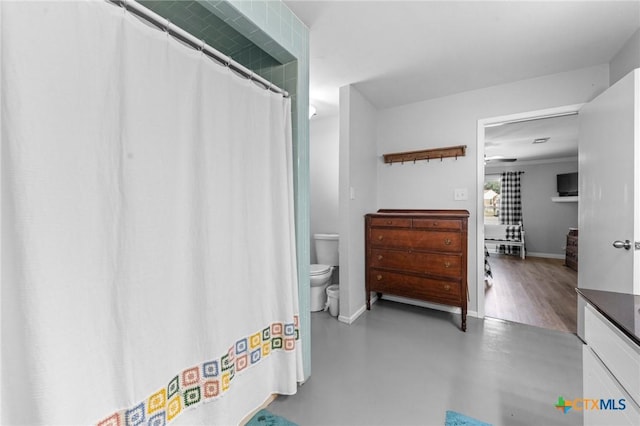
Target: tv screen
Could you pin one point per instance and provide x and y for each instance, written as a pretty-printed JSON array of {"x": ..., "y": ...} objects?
[{"x": 568, "y": 184}]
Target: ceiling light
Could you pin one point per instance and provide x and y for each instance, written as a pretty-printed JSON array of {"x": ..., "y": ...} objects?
[{"x": 541, "y": 140}]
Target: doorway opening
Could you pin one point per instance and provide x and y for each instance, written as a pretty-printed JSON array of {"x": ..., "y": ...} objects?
[{"x": 536, "y": 289}]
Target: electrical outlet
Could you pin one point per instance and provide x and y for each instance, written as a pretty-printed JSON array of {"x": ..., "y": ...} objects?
[{"x": 460, "y": 194}]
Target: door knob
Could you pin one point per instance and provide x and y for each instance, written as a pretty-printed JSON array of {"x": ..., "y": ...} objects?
[{"x": 626, "y": 244}]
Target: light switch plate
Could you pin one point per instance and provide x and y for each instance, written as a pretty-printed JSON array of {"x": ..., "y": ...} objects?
[{"x": 460, "y": 194}]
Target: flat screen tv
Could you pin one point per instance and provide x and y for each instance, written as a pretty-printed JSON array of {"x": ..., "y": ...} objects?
[{"x": 568, "y": 184}]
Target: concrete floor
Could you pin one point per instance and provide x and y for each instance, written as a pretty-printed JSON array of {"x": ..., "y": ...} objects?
[{"x": 405, "y": 365}]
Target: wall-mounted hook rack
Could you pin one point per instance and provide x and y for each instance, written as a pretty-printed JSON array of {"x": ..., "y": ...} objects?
[{"x": 426, "y": 154}]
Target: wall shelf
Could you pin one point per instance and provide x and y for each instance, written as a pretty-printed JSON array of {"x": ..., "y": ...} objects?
[
  {"x": 565, "y": 199},
  {"x": 426, "y": 154}
]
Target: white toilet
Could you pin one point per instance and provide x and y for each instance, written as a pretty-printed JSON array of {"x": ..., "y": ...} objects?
[{"x": 320, "y": 273}]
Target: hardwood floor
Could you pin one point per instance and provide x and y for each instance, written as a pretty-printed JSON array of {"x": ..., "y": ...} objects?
[{"x": 535, "y": 291}]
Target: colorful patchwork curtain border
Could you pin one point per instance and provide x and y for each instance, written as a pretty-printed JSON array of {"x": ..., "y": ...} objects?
[{"x": 209, "y": 380}]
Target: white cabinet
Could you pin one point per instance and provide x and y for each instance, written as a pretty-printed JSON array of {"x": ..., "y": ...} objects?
[
  {"x": 611, "y": 372},
  {"x": 599, "y": 383}
]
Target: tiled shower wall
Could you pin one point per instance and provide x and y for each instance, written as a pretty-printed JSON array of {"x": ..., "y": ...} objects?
[{"x": 267, "y": 38}]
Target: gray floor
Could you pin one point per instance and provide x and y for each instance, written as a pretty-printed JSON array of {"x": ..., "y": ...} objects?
[{"x": 405, "y": 365}]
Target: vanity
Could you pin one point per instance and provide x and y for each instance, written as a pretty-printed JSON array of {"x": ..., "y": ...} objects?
[{"x": 609, "y": 324}]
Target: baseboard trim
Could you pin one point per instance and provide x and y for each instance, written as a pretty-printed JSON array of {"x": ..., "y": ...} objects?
[
  {"x": 356, "y": 315},
  {"x": 352, "y": 318},
  {"x": 420, "y": 303},
  {"x": 546, "y": 255}
]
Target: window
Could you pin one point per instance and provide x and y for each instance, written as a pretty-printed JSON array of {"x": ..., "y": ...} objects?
[{"x": 491, "y": 199}]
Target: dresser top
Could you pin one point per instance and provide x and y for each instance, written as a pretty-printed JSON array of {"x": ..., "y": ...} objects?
[
  {"x": 620, "y": 308},
  {"x": 423, "y": 213}
]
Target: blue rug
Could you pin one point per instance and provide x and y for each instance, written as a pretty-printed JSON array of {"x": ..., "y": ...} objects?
[
  {"x": 457, "y": 419},
  {"x": 265, "y": 418}
]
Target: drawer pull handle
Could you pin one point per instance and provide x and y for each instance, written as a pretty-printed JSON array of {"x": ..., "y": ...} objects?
[
  {"x": 389, "y": 222},
  {"x": 379, "y": 277},
  {"x": 447, "y": 287},
  {"x": 380, "y": 237},
  {"x": 447, "y": 264},
  {"x": 379, "y": 257},
  {"x": 447, "y": 242},
  {"x": 435, "y": 223}
]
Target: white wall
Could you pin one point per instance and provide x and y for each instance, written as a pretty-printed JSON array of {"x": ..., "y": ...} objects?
[
  {"x": 626, "y": 59},
  {"x": 324, "y": 161},
  {"x": 452, "y": 120},
  {"x": 358, "y": 174},
  {"x": 546, "y": 223}
]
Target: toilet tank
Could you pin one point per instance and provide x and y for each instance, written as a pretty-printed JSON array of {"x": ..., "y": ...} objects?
[{"x": 326, "y": 248}]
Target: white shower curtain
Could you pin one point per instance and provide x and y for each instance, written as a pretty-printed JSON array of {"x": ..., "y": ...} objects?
[{"x": 148, "y": 252}]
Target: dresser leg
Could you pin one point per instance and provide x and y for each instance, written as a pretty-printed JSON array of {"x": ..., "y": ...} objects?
[
  {"x": 464, "y": 320},
  {"x": 368, "y": 300}
]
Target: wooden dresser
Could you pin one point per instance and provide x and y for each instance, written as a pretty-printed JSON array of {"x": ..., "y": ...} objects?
[
  {"x": 419, "y": 254},
  {"x": 571, "y": 253}
]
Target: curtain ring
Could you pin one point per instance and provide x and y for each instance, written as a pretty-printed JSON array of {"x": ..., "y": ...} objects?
[
  {"x": 202, "y": 45},
  {"x": 166, "y": 26}
]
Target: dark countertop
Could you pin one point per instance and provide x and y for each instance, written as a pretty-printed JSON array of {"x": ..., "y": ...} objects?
[{"x": 622, "y": 309}]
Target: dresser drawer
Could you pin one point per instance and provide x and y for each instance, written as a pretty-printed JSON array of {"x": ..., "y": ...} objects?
[
  {"x": 417, "y": 240},
  {"x": 395, "y": 222},
  {"x": 444, "y": 265},
  {"x": 413, "y": 286},
  {"x": 617, "y": 351},
  {"x": 444, "y": 224}
]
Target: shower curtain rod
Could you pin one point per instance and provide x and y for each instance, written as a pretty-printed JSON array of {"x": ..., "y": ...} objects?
[{"x": 166, "y": 25}]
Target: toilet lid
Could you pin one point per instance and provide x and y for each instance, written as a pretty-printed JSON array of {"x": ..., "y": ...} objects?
[{"x": 319, "y": 269}]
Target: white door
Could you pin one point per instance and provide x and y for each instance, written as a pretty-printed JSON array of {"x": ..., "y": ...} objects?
[{"x": 609, "y": 206}]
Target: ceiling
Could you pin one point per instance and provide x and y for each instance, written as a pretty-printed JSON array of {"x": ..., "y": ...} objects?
[
  {"x": 399, "y": 52},
  {"x": 516, "y": 140}
]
